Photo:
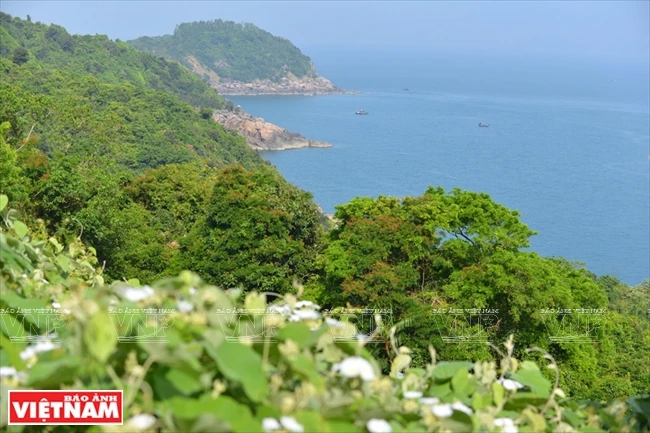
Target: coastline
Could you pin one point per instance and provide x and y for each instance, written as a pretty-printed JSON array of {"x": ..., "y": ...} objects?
[
  {"x": 288, "y": 86},
  {"x": 256, "y": 92},
  {"x": 262, "y": 135}
]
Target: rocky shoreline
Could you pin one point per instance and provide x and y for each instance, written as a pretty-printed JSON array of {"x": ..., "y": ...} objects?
[
  {"x": 262, "y": 135},
  {"x": 288, "y": 86}
]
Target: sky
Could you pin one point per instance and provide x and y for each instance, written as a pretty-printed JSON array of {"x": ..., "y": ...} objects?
[{"x": 616, "y": 29}]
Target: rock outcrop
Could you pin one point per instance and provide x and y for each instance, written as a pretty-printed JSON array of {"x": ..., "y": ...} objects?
[
  {"x": 305, "y": 86},
  {"x": 309, "y": 85},
  {"x": 263, "y": 135}
]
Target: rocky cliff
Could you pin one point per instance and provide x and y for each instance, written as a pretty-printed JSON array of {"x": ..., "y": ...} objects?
[{"x": 263, "y": 135}]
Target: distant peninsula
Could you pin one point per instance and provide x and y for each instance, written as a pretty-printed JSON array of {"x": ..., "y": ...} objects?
[{"x": 240, "y": 59}]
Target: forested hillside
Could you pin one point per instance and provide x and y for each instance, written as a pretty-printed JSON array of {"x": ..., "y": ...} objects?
[
  {"x": 114, "y": 62},
  {"x": 241, "y": 52},
  {"x": 82, "y": 146},
  {"x": 122, "y": 195}
]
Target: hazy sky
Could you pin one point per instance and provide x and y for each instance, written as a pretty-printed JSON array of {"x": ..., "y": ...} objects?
[{"x": 598, "y": 28}]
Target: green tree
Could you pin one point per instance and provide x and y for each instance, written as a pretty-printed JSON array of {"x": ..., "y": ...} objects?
[
  {"x": 20, "y": 55},
  {"x": 259, "y": 232}
]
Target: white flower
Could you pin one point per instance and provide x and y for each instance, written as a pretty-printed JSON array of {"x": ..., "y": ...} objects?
[
  {"x": 442, "y": 410},
  {"x": 310, "y": 304},
  {"x": 192, "y": 290},
  {"x": 291, "y": 424},
  {"x": 7, "y": 372},
  {"x": 141, "y": 422},
  {"x": 270, "y": 424},
  {"x": 461, "y": 408},
  {"x": 507, "y": 425},
  {"x": 185, "y": 307},
  {"x": 299, "y": 315},
  {"x": 412, "y": 394},
  {"x": 510, "y": 384},
  {"x": 355, "y": 366},
  {"x": 56, "y": 305},
  {"x": 376, "y": 425},
  {"x": 279, "y": 309},
  {"x": 134, "y": 294},
  {"x": 43, "y": 345},
  {"x": 429, "y": 400}
]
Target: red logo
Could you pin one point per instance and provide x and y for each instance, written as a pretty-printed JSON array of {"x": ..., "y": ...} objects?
[{"x": 65, "y": 407}]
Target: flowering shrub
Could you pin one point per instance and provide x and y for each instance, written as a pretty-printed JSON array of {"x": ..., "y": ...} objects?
[{"x": 191, "y": 357}]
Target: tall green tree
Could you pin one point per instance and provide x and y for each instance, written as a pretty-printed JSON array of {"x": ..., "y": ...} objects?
[{"x": 259, "y": 232}]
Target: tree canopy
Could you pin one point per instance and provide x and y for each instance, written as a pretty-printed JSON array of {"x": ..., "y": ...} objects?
[{"x": 236, "y": 51}]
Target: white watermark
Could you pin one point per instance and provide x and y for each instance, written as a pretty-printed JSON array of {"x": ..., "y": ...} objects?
[
  {"x": 33, "y": 324},
  {"x": 133, "y": 325},
  {"x": 466, "y": 325},
  {"x": 573, "y": 325}
]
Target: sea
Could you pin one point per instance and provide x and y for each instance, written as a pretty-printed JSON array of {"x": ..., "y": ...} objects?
[{"x": 568, "y": 142}]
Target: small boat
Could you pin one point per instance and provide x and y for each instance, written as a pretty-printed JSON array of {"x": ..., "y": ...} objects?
[
  {"x": 483, "y": 125},
  {"x": 405, "y": 89},
  {"x": 361, "y": 112}
]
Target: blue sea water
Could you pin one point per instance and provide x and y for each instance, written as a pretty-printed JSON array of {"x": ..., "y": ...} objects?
[{"x": 568, "y": 144}]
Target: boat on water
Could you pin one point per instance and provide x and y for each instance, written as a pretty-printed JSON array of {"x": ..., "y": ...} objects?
[
  {"x": 405, "y": 89},
  {"x": 361, "y": 112},
  {"x": 483, "y": 125}
]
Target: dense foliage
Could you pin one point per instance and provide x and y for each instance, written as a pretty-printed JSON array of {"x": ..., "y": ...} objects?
[
  {"x": 115, "y": 62},
  {"x": 258, "y": 232},
  {"x": 241, "y": 52},
  {"x": 80, "y": 116},
  {"x": 124, "y": 185},
  {"x": 423, "y": 256},
  {"x": 79, "y": 152},
  {"x": 286, "y": 367}
]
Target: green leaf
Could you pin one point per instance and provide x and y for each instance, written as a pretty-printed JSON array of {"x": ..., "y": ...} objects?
[
  {"x": 463, "y": 384},
  {"x": 440, "y": 389},
  {"x": 304, "y": 365},
  {"x": 499, "y": 391},
  {"x": 64, "y": 262},
  {"x": 10, "y": 354},
  {"x": 183, "y": 382},
  {"x": 534, "y": 380},
  {"x": 446, "y": 370},
  {"x": 458, "y": 422},
  {"x": 521, "y": 400},
  {"x": 536, "y": 421},
  {"x": 51, "y": 374},
  {"x": 13, "y": 300},
  {"x": 100, "y": 336},
  {"x": 223, "y": 408},
  {"x": 20, "y": 228},
  {"x": 242, "y": 364},
  {"x": 311, "y": 421},
  {"x": 3, "y": 201},
  {"x": 480, "y": 401},
  {"x": 300, "y": 334}
]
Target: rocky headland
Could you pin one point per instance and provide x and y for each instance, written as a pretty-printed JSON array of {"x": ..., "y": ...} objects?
[
  {"x": 262, "y": 135},
  {"x": 287, "y": 86}
]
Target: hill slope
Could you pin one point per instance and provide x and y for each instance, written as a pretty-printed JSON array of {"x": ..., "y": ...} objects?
[
  {"x": 115, "y": 62},
  {"x": 229, "y": 54}
]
